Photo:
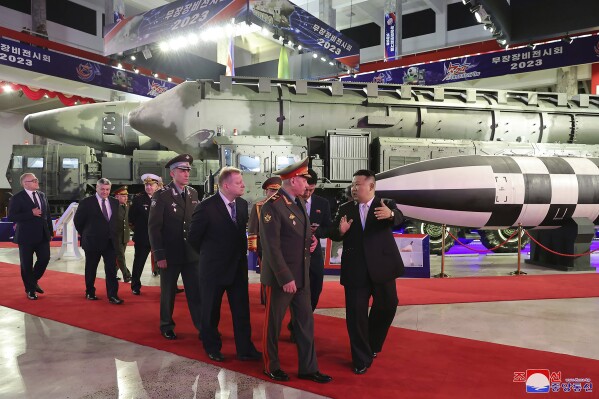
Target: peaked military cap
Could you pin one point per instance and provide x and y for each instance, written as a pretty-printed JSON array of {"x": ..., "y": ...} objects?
[
  {"x": 150, "y": 178},
  {"x": 299, "y": 168},
  {"x": 182, "y": 161},
  {"x": 121, "y": 191},
  {"x": 272, "y": 183}
]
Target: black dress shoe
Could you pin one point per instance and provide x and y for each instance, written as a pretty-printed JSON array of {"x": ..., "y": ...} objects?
[
  {"x": 216, "y": 356},
  {"x": 170, "y": 334},
  {"x": 118, "y": 278},
  {"x": 91, "y": 297},
  {"x": 374, "y": 355},
  {"x": 255, "y": 355},
  {"x": 136, "y": 292},
  {"x": 360, "y": 370},
  {"x": 32, "y": 295},
  {"x": 127, "y": 279},
  {"x": 179, "y": 290},
  {"x": 277, "y": 375},
  {"x": 38, "y": 289},
  {"x": 115, "y": 300},
  {"x": 154, "y": 274},
  {"x": 316, "y": 377}
]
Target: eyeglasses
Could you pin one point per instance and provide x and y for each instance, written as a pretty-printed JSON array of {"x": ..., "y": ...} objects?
[{"x": 31, "y": 181}]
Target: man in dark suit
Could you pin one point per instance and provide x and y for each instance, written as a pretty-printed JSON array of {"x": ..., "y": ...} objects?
[
  {"x": 370, "y": 263},
  {"x": 123, "y": 233},
  {"x": 168, "y": 227},
  {"x": 96, "y": 221},
  {"x": 286, "y": 241},
  {"x": 217, "y": 233},
  {"x": 138, "y": 219},
  {"x": 30, "y": 211},
  {"x": 319, "y": 211}
]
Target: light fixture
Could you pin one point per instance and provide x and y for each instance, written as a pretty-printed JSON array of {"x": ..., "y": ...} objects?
[
  {"x": 156, "y": 75},
  {"x": 119, "y": 65},
  {"x": 147, "y": 53},
  {"x": 169, "y": 79},
  {"x": 136, "y": 70},
  {"x": 480, "y": 14},
  {"x": 164, "y": 47},
  {"x": 502, "y": 41},
  {"x": 323, "y": 59},
  {"x": 7, "y": 88},
  {"x": 331, "y": 63},
  {"x": 299, "y": 47},
  {"x": 133, "y": 57},
  {"x": 314, "y": 55}
]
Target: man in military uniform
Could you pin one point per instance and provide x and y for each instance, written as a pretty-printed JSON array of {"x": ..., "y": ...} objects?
[
  {"x": 270, "y": 187},
  {"x": 168, "y": 227},
  {"x": 138, "y": 219},
  {"x": 122, "y": 231},
  {"x": 284, "y": 223}
]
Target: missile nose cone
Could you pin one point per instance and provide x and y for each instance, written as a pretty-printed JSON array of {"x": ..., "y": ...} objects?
[{"x": 26, "y": 124}]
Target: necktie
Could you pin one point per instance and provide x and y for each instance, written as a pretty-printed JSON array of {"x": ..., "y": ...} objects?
[
  {"x": 104, "y": 210},
  {"x": 35, "y": 201},
  {"x": 183, "y": 195},
  {"x": 233, "y": 211},
  {"x": 363, "y": 214}
]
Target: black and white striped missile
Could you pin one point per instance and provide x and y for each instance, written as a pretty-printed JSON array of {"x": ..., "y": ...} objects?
[{"x": 493, "y": 192}]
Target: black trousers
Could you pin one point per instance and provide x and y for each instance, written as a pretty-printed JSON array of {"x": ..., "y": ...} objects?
[
  {"x": 168, "y": 290},
  {"x": 139, "y": 261},
  {"x": 316, "y": 279},
  {"x": 239, "y": 303},
  {"x": 92, "y": 259},
  {"x": 367, "y": 332},
  {"x": 30, "y": 272}
]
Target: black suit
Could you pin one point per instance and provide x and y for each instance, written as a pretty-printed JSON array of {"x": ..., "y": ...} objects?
[
  {"x": 138, "y": 219},
  {"x": 222, "y": 245},
  {"x": 98, "y": 240},
  {"x": 33, "y": 234},
  {"x": 370, "y": 263},
  {"x": 168, "y": 227},
  {"x": 320, "y": 213}
]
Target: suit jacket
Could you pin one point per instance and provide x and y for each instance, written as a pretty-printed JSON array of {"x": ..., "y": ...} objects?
[
  {"x": 220, "y": 242},
  {"x": 30, "y": 229},
  {"x": 369, "y": 254},
  {"x": 123, "y": 233},
  {"x": 168, "y": 224},
  {"x": 95, "y": 230},
  {"x": 285, "y": 238},
  {"x": 320, "y": 213},
  {"x": 138, "y": 218}
]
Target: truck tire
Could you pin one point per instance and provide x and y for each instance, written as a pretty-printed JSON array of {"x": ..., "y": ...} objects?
[
  {"x": 492, "y": 238},
  {"x": 434, "y": 232}
]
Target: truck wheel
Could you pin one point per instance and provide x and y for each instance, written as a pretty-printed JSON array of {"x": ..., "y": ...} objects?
[
  {"x": 492, "y": 238},
  {"x": 434, "y": 232}
]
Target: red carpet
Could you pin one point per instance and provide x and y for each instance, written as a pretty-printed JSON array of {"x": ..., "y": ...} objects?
[
  {"x": 413, "y": 364},
  {"x": 479, "y": 289}
]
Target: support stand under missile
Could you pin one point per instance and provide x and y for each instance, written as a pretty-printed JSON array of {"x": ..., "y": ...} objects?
[
  {"x": 519, "y": 272},
  {"x": 442, "y": 274},
  {"x": 573, "y": 238}
]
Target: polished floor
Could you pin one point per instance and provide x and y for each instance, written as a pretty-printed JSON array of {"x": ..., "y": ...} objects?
[{"x": 40, "y": 358}]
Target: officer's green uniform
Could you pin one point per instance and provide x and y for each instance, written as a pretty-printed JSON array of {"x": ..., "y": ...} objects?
[{"x": 123, "y": 234}]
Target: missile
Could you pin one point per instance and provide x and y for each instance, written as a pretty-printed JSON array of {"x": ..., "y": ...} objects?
[
  {"x": 495, "y": 192},
  {"x": 187, "y": 117},
  {"x": 103, "y": 126}
]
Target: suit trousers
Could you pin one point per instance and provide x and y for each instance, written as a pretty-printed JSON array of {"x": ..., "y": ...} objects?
[
  {"x": 277, "y": 302},
  {"x": 168, "y": 289},
  {"x": 139, "y": 261},
  {"x": 239, "y": 303},
  {"x": 316, "y": 279},
  {"x": 367, "y": 332},
  {"x": 120, "y": 260},
  {"x": 31, "y": 273},
  {"x": 92, "y": 259}
]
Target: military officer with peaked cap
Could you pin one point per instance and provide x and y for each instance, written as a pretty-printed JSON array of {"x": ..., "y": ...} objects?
[
  {"x": 286, "y": 241},
  {"x": 123, "y": 232},
  {"x": 168, "y": 227},
  {"x": 138, "y": 219}
]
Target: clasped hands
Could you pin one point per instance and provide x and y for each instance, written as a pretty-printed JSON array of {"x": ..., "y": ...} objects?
[{"x": 381, "y": 213}]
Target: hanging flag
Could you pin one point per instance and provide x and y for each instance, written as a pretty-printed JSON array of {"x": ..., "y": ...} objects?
[
  {"x": 283, "y": 72},
  {"x": 119, "y": 10},
  {"x": 230, "y": 71}
]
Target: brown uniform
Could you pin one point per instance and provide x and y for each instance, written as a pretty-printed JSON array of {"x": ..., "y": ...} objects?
[
  {"x": 123, "y": 234},
  {"x": 285, "y": 238}
]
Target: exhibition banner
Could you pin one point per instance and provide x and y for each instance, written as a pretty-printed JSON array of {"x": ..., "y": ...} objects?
[
  {"x": 390, "y": 27},
  {"x": 178, "y": 17},
  {"x": 24, "y": 56},
  {"x": 303, "y": 28},
  {"x": 582, "y": 50}
]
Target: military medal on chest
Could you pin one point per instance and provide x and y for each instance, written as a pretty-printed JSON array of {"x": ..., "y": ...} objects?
[
  {"x": 174, "y": 207},
  {"x": 292, "y": 217}
]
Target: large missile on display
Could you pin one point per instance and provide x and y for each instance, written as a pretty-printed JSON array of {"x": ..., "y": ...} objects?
[
  {"x": 495, "y": 192},
  {"x": 186, "y": 117},
  {"x": 103, "y": 126}
]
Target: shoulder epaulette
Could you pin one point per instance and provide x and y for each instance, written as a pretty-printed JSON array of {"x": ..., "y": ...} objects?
[
  {"x": 273, "y": 198},
  {"x": 192, "y": 189}
]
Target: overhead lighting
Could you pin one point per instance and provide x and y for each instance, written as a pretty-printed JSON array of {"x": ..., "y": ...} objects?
[
  {"x": 164, "y": 47},
  {"x": 7, "y": 88},
  {"x": 133, "y": 57},
  {"x": 480, "y": 14},
  {"x": 192, "y": 38},
  {"x": 502, "y": 42},
  {"x": 136, "y": 70},
  {"x": 299, "y": 47},
  {"x": 331, "y": 63},
  {"x": 169, "y": 79},
  {"x": 147, "y": 53},
  {"x": 314, "y": 55},
  {"x": 323, "y": 59},
  {"x": 119, "y": 65},
  {"x": 156, "y": 75}
]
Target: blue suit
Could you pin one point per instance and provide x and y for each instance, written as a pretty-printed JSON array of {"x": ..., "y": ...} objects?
[{"x": 33, "y": 234}]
